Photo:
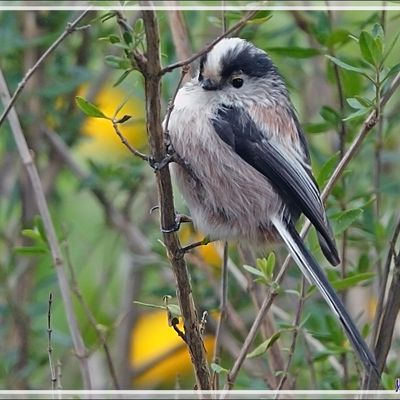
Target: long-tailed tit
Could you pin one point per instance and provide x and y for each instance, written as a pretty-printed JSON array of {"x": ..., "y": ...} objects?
[{"x": 248, "y": 174}]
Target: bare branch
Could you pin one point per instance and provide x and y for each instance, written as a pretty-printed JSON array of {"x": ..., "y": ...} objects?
[
  {"x": 71, "y": 27},
  {"x": 51, "y": 235},
  {"x": 151, "y": 69},
  {"x": 206, "y": 49},
  {"x": 53, "y": 376}
]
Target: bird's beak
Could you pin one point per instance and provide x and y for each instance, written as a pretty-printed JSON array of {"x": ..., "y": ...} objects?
[{"x": 209, "y": 84}]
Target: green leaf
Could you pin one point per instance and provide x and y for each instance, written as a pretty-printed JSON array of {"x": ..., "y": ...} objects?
[
  {"x": 89, "y": 108},
  {"x": 295, "y": 52},
  {"x": 344, "y": 219},
  {"x": 350, "y": 281},
  {"x": 346, "y": 66},
  {"x": 394, "y": 70},
  {"x": 338, "y": 36},
  {"x": 122, "y": 77},
  {"x": 117, "y": 62},
  {"x": 264, "y": 346},
  {"x": 327, "y": 169},
  {"x": 32, "y": 234},
  {"x": 218, "y": 369},
  {"x": 390, "y": 48},
  {"x": 270, "y": 266},
  {"x": 174, "y": 310},
  {"x": 330, "y": 115},
  {"x": 253, "y": 271},
  {"x": 370, "y": 48},
  {"x": 315, "y": 128},
  {"x": 30, "y": 250},
  {"x": 356, "y": 114},
  {"x": 355, "y": 103}
]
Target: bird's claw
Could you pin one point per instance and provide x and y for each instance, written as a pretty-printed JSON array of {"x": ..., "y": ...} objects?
[{"x": 179, "y": 219}]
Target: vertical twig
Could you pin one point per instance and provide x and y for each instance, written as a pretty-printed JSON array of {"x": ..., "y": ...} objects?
[
  {"x": 51, "y": 235},
  {"x": 53, "y": 376},
  {"x": 151, "y": 69},
  {"x": 222, "y": 308},
  {"x": 342, "y": 148},
  {"x": 296, "y": 324},
  {"x": 91, "y": 318}
]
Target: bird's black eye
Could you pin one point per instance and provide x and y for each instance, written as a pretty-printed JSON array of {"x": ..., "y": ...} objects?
[{"x": 237, "y": 82}]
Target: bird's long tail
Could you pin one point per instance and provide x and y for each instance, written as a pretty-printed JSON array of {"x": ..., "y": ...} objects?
[{"x": 313, "y": 272}]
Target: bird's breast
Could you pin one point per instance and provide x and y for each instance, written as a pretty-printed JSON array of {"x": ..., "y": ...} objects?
[{"x": 227, "y": 198}]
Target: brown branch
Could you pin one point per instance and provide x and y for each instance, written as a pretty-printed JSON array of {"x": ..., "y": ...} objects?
[
  {"x": 91, "y": 318},
  {"x": 223, "y": 313},
  {"x": 385, "y": 315},
  {"x": 53, "y": 376},
  {"x": 51, "y": 235},
  {"x": 207, "y": 48},
  {"x": 366, "y": 127},
  {"x": 151, "y": 69},
  {"x": 71, "y": 27}
]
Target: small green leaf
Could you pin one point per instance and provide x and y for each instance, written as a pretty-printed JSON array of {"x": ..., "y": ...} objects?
[
  {"x": 356, "y": 114},
  {"x": 30, "y": 250},
  {"x": 270, "y": 265},
  {"x": 338, "y": 36},
  {"x": 394, "y": 70},
  {"x": 370, "y": 48},
  {"x": 122, "y": 77},
  {"x": 344, "y": 219},
  {"x": 127, "y": 38},
  {"x": 89, "y": 108},
  {"x": 346, "y": 66},
  {"x": 138, "y": 27},
  {"x": 351, "y": 281},
  {"x": 174, "y": 309},
  {"x": 316, "y": 127},
  {"x": 330, "y": 115},
  {"x": 32, "y": 234},
  {"x": 117, "y": 62},
  {"x": 113, "y": 38},
  {"x": 264, "y": 346},
  {"x": 327, "y": 169},
  {"x": 253, "y": 271},
  {"x": 390, "y": 48},
  {"x": 218, "y": 369},
  {"x": 295, "y": 52},
  {"x": 355, "y": 103}
]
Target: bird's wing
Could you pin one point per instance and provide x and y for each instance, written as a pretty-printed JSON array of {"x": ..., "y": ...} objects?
[{"x": 286, "y": 173}]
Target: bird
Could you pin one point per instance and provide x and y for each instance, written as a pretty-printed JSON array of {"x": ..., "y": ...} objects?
[{"x": 246, "y": 172}]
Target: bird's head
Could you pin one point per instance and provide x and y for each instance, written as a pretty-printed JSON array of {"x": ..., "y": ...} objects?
[{"x": 236, "y": 68}]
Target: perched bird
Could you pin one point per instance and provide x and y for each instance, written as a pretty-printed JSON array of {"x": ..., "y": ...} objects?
[{"x": 246, "y": 171}]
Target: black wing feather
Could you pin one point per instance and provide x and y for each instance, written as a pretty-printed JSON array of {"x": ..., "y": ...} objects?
[{"x": 289, "y": 178}]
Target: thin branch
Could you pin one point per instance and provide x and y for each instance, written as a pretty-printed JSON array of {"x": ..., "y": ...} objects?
[
  {"x": 389, "y": 317},
  {"x": 134, "y": 151},
  {"x": 51, "y": 235},
  {"x": 151, "y": 69},
  {"x": 71, "y": 27},
  {"x": 296, "y": 324},
  {"x": 382, "y": 292},
  {"x": 366, "y": 127},
  {"x": 207, "y": 48},
  {"x": 53, "y": 376},
  {"x": 223, "y": 312},
  {"x": 91, "y": 318}
]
